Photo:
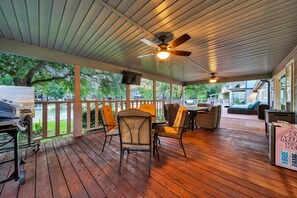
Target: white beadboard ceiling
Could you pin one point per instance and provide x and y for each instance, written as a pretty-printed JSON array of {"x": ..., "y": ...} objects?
[{"x": 231, "y": 38}]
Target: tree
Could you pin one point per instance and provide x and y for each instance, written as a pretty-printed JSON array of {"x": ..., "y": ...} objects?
[
  {"x": 27, "y": 71},
  {"x": 56, "y": 79},
  {"x": 202, "y": 91}
]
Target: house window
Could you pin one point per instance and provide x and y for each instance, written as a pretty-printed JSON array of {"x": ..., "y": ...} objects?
[{"x": 282, "y": 92}]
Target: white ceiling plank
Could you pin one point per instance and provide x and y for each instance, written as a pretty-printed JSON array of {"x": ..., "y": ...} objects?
[
  {"x": 116, "y": 26},
  {"x": 45, "y": 16},
  {"x": 161, "y": 11},
  {"x": 9, "y": 16},
  {"x": 6, "y": 32},
  {"x": 55, "y": 22},
  {"x": 107, "y": 24},
  {"x": 33, "y": 17},
  {"x": 145, "y": 9},
  {"x": 78, "y": 18},
  {"x": 91, "y": 32},
  {"x": 133, "y": 9},
  {"x": 21, "y": 15},
  {"x": 89, "y": 20},
  {"x": 68, "y": 15},
  {"x": 171, "y": 15},
  {"x": 114, "y": 41}
]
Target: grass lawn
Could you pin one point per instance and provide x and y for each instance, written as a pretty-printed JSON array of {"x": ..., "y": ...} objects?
[{"x": 51, "y": 127}]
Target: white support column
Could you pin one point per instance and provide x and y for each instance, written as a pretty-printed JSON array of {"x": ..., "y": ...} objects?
[
  {"x": 155, "y": 91},
  {"x": 170, "y": 92},
  {"x": 183, "y": 95},
  {"x": 77, "y": 106},
  {"x": 128, "y": 96}
]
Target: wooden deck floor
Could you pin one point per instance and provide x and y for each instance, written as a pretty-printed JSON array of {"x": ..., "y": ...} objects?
[{"x": 223, "y": 163}]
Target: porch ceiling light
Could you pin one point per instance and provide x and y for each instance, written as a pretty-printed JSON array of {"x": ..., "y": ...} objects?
[
  {"x": 163, "y": 54},
  {"x": 213, "y": 78}
]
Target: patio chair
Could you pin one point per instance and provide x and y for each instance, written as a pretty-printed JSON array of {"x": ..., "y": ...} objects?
[
  {"x": 170, "y": 111},
  {"x": 209, "y": 119},
  {"x": 175, "y": 131},
  {"x": 150, "y": 108},
  {"x": 135, "y": 133},
  {"x": 109, "y": 124}
]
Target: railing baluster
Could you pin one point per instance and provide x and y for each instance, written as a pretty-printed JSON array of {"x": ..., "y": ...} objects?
[
  {"x": 57, "y": 119},
  {"x": 96, "y": 114},
  {"x": 88, "y": 116},
  {"x": 116, "y": 108},
  {"x": 69, "y": 117},
  {"x": 44, "y": 120}
]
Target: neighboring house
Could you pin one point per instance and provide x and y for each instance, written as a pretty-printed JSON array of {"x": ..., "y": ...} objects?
[{"x": 238, "y": 93}]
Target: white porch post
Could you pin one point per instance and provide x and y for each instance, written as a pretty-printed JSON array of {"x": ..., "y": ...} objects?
[
  {"x": 183, "y": 95},
  {"x": 155, "y": 91},
  {"x": 127, "y": 96},
  {"x": 170, "y": 89},
  {"x": 77, "y": 106}
]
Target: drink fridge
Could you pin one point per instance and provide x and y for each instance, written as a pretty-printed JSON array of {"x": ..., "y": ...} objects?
[{"x": 282, "y": 146}]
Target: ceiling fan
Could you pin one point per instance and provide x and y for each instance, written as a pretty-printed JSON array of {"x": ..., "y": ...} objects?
[{"x": 164, "y": 49}]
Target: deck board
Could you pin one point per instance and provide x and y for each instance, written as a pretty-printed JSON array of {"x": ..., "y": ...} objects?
[{"x": 223, "y": 163}]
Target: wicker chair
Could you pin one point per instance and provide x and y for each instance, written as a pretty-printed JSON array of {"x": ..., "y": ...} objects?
[
  {"x": 135, "y": 132},
  {"x": 175, "y": 131},
  {"x": 109, "y": 124},
  {"x": 209, "y": 119},
  {"x": 170, "y": 111}
]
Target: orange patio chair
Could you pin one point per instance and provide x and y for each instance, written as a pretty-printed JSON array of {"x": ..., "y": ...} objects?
[
  {"x": 109, "y": 124},
  {"x": 175, "y": 131},
  {"x": 149, "y": 108}
]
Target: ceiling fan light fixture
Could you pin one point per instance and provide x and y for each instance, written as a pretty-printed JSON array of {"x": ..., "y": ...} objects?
[
  {"x": 163, "y": 54},
  {"x": 213, "y": 78}
]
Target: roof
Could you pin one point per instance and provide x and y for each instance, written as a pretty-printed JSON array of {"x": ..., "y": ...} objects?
[{"x": 234, "y": 39}]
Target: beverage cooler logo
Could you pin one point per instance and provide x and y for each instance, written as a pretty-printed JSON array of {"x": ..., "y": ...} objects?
[{"x": 286, "y": 148}]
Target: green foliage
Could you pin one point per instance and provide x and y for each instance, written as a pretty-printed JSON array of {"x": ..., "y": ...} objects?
[
  {"x": 163, "y": 90},
  {"x": 202, "y": 91},
  {"x": 110, "y": 86},
  {"x": 92, "y": 119},
  {"x": 177, "y": 91},
  {"x": 55, "y": 80},
  {"x": 145, "y": 89},
  {"x": 37, "y": 127}
]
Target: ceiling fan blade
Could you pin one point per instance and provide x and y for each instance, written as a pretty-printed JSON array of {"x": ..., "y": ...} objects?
[
  {"x": 180, "y": 40},
  {"x": 149, "y": 43},
  {"x": 145, "y": 55},
  {"x": 181, "y": 53}
]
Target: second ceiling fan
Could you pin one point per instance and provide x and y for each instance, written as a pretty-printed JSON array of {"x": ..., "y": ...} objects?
[{"x": 163, "y": 50}]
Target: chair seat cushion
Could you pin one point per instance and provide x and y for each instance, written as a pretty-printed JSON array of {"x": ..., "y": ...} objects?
[
  {"x": 114, "y": 131},
  {"x": 171, "y": 135},
  {"x": 166, "y": 129}
]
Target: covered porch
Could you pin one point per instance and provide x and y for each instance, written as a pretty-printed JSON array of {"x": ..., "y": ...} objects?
[{"x": 230, "y": 40}]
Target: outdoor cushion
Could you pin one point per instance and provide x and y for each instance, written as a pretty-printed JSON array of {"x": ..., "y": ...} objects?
[
  {"x": 254, "y": 104},
  {"x": 168, "y": 129},
  {"x": 238, "y": 107},
  {"x": 108, "y": 118}
]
